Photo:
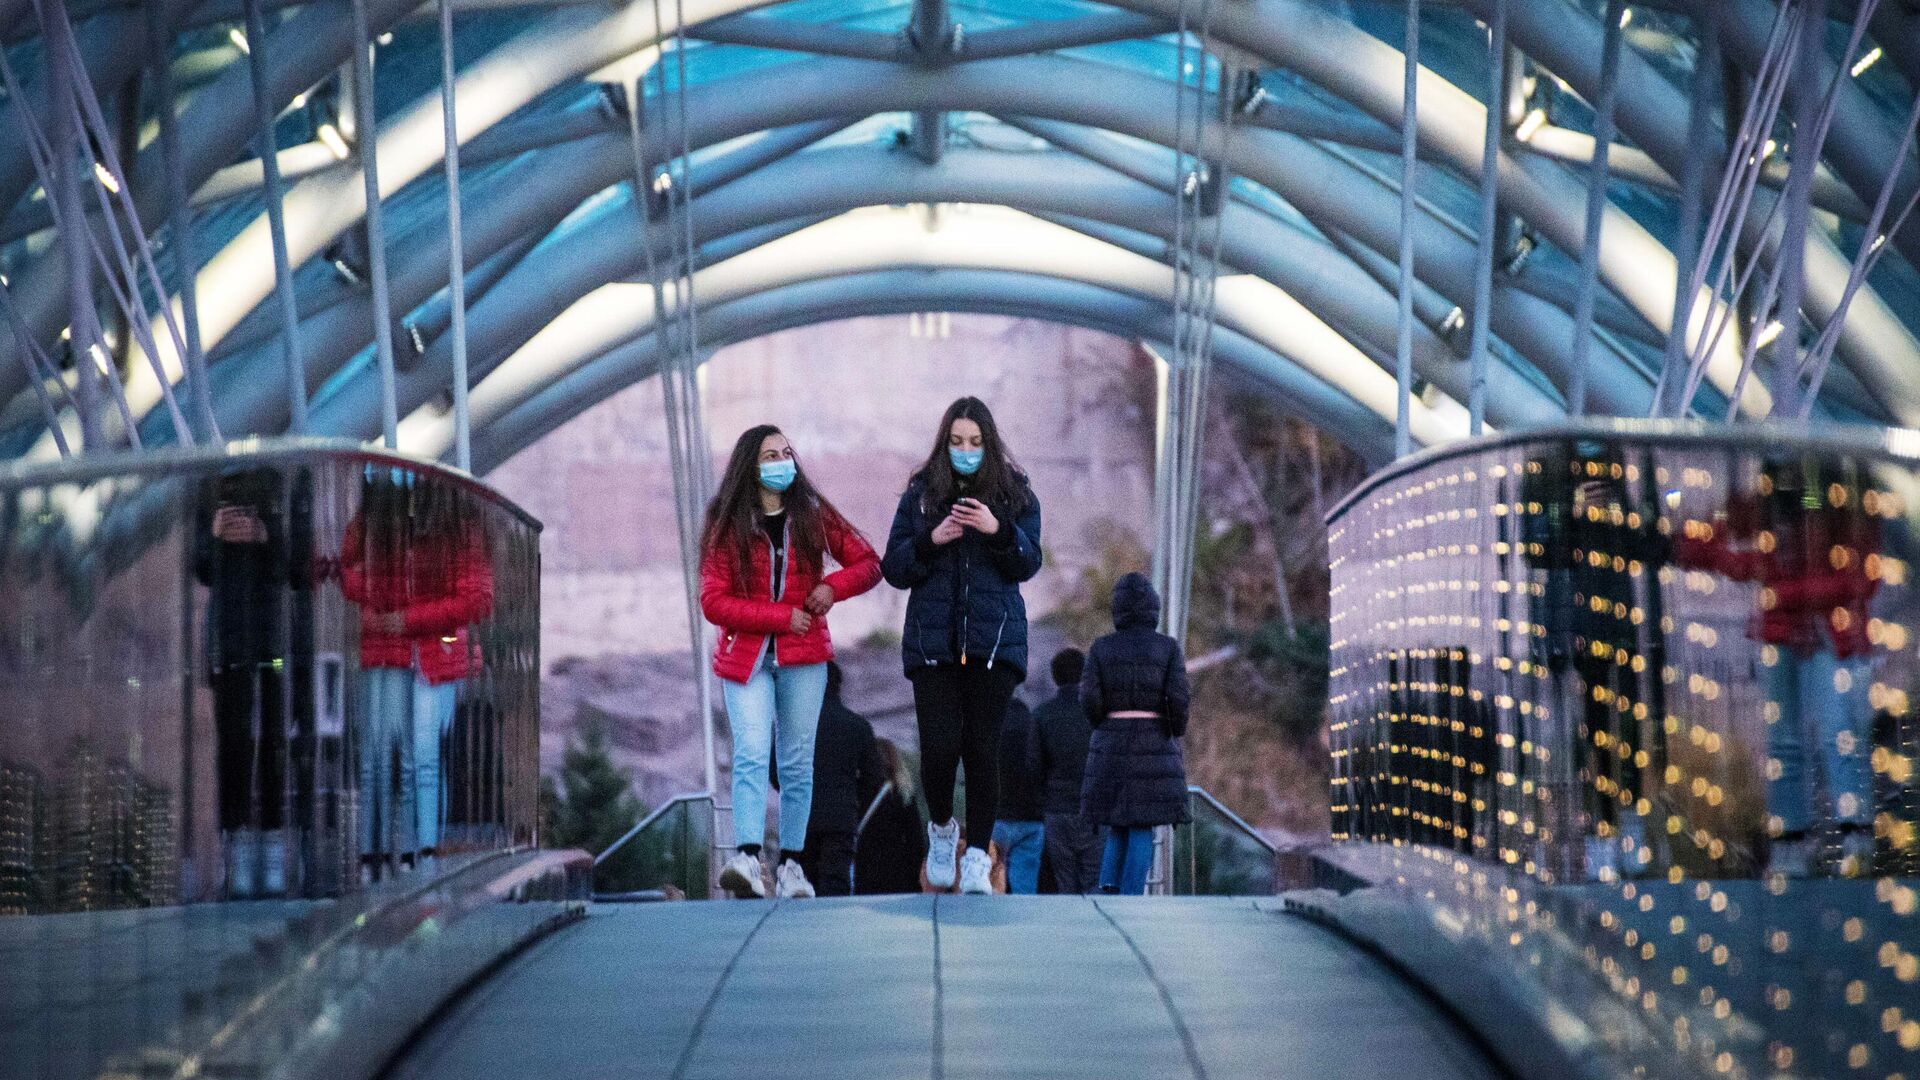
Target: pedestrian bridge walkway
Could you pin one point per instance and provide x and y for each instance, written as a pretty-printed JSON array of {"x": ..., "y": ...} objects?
[{"x": 945, "y": 986}]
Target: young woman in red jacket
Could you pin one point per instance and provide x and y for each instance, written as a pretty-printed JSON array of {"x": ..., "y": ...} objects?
[
  {"x": 763, "y": 582},
  {"x": 419, "y": 570}
]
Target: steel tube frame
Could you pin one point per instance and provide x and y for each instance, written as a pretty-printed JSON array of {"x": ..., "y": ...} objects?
[
  {"x": 902, "y": 291},
  {"x": 456, "y": 258}
]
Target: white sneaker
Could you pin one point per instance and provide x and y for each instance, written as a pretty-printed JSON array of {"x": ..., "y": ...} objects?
[
  {"x": 976, "y": 872},
  {"x": 792, "y": 883},
  {"x": 943, "y": 842},
  {"x": 741, "y": 879}
]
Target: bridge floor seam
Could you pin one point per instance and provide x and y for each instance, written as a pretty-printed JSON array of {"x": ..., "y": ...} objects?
[
  {"x": 713, "y": 999},
  {"x": 1180, "y": 1028}
]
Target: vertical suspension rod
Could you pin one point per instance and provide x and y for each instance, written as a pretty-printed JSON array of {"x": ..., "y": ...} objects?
[
  {"x": 1409, "y": 198},
  {"x": 276, "y": 220},
  {"x": 1477, "y": 351},
  {"x": 456, "y": 253},
  {"x": 1598, "y": 175},
  {"x": 366, "y": 133},
  {"x": 180, "y": 222},
  {"x": 1693, "y": 179}
]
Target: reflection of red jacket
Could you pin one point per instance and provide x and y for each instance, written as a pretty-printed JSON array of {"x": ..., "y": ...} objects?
[
  {"x": 747, "y": 616},
  {"x": 438, "y": 594},
  {"x": 1815, "y": 573}
]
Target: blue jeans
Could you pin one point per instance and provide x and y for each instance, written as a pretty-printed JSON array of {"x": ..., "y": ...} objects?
[
  {"x": 788, "y": 698},
  {"x": 1814, "y": 708},
  {"x": 1128, "y": 859},
  {"x": 1020, "y": 844},
  {"x": 402, "y": 802}
]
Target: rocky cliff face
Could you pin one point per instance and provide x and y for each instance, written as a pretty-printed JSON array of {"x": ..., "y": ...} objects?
[{"x": 860, "y": 400}]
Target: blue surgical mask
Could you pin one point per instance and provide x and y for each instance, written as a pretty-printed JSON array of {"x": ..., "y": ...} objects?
[
  {"x": 966, "y": 462},
  {"x": 777, "y": 475}
]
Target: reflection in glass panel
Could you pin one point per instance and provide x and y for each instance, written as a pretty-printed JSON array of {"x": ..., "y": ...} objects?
[
  {"x": 1637, "y": 708},
  {"x": 288, "y": 677}
]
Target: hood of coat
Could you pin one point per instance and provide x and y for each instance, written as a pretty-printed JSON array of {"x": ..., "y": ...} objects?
[{"x": 1135, "y": 603}]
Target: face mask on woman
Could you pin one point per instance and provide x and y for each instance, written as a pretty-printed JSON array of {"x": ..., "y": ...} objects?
[
  {"x": 966, "y": 462},
  {"x": 777, "y": 475}
]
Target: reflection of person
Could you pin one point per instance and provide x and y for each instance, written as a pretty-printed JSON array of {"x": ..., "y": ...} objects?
[
  {"x": 764, "y": 583},
  {"x": 252, "y": 559},
  {"x": 1598, "y": 545},
  {"x": 965, "y": 536},
  {"x": 893, "y": 835},
  {"x": 847, "y": 773},
  {"x": 1806, "y": 541},
  {"x": 1061, "y": 734},
  {"x": 1019, "y": 831},
  {"x": 1135, "y": 694},
  {"x": 419, "y": 569}
]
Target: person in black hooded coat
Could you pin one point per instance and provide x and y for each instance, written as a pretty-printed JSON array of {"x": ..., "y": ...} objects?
[{"x": 1135, "y": 694}]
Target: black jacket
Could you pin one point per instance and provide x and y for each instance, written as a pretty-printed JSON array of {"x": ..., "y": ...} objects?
[
  {"x": 1136, "y": 775},
  {"x": 892, "y": 847},
  {"x": 963, "y": 602},
  {"x": 1019, "y": 783},
  {"x": 847, "y": 770},
  {"x": 249, "y": 584},
  {"x": 1060, "y": 735}
]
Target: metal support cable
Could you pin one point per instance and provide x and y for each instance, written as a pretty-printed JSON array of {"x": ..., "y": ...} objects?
[
  {"x": 55, "y": 161},
  {"x": 1477, "y": 351},
  {"x": 180, "y": 222},
  {"x": 1598, "y": 176},
  {"x": 1409, "y": 193},
  {"x": 366, "y": 133},
  {"x": 84, "y": 112},
  {"x": 1693, "y": 179},
  {"x": 264, "y": 116},
  {"x": 39, "y": 368},
  {"x": 1873, "y": 246},
  {"x": 1745, "y": 161},
  {"x": 1786, "y": 279},
  {"x": 456, "y": 258}
]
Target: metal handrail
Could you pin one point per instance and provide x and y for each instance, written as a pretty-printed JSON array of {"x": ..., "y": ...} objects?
[
  {"x": 178, "y": 461},
  {"x": 656, "y": 814},
  {"x": 1900, "y": 445},
  {"x": 1233, "y": 819}
]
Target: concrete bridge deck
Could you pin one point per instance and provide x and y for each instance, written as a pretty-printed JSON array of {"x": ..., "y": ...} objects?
[{"x": 946, "y": 987}]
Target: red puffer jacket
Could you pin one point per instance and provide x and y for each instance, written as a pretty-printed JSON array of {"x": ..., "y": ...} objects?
[
  {"x": 1813, "y": 577},
  {"x": 747, "y": 619},
  {"x": 439, "y": 593}
]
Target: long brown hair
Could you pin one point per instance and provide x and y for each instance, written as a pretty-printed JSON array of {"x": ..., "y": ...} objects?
[
  {"x": 733, "y": 517},
  {"x": 1000, "y": 481}
]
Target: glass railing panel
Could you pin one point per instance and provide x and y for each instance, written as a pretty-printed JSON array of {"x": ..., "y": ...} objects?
[
  {"x": 1635, "y": 704},
  {"x": 238, "y": 690}
]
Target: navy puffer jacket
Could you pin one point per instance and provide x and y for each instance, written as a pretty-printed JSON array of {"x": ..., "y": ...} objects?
[
  {"x": 963, "y": 602},
  {"x": 1136, "y": 773}
]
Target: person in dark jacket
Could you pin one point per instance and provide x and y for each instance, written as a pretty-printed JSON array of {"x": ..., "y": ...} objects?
[
  {"x": 893, "y": 836},
  {"x": 1135, "y": 694},
  {"x": 1019, "y": 832},
  {"x": 254, "y": 553},
  {"x": 847, "y": 773},
  {"x": 1059, "y": 762},
  {"x": 965, "y": 536}
]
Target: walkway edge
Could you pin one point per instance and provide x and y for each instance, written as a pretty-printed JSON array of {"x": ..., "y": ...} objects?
[{"x": 1522, "y": 1026}]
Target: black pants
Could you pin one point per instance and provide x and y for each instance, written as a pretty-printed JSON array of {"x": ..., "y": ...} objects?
[
  {"x": 828, "y": 862},
  {"x": 250, "y": 747},
  {"x": 1074, "y": 847},
  {"x": 960, "y": 709}
]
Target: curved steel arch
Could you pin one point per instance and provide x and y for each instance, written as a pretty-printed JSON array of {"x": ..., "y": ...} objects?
[
  {"x": 1300, "y": 170},
  {"x": 863, "y": 241},
  {"x": 897, "y": 292},
  {"x": 1037, "y": 84},
  {"x": 598, "y": 249}
]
